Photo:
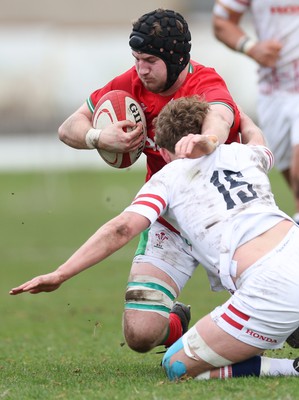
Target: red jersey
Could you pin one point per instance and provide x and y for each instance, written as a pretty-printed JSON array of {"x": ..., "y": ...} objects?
[{"x": 201, "y": 81}]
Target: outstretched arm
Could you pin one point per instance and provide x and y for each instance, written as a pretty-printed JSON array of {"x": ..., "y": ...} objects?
[{"x": 107, "y": 240}]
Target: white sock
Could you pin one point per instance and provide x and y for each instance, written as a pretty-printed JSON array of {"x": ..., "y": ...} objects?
[
  {"x": 204, "y": 375},
  {"x": 296, "y": 217},
  {"x": 277, "y": 367}
]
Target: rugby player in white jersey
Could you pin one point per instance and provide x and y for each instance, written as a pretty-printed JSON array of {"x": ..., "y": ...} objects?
[
  {"x": 224, "y": 208},
  {"x": 276, "y": 50}
]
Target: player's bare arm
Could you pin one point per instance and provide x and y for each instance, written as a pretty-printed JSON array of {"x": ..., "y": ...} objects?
[
  {"x": 227, "y": 30},
  {"x": 73, "y": 133},
  {"x": 251, "y": 134},
  {"x": 218, "y": 122},
  {"x": 108, "y": 239},
  {"x": 73, "y": 130},
  {"x": 226, "y": 26}
]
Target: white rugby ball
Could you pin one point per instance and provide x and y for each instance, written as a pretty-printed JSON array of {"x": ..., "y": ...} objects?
[{"x": 114, "y": 106}]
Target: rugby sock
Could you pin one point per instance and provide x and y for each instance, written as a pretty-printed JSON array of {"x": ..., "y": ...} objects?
[
  {"x": 175, "y": 330},
  {"x": 250, "y": 367},
  {"x": 256, "y": 366}
]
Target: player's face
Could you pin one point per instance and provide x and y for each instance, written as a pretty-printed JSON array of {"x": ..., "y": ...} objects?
[{"x": 151, "y": 70}]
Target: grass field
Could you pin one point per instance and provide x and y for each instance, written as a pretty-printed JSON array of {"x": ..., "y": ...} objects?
[{"x": 68, "y": 344}]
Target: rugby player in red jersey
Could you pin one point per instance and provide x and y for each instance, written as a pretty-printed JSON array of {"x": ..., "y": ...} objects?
[{"x": 163, "y": 71}]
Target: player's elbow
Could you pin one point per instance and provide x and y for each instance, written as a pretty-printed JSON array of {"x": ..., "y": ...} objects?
[
  {"x": 121, "y": 228},
  {"x": 123, "y": 232},
  {"x": 128, "y": 225}
]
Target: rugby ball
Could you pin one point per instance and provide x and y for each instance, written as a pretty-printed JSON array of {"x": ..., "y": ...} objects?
[{"x": 114, "y": 106}]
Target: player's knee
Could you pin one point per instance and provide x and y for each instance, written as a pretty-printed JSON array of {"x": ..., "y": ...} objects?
[
  {"x": 177, "y": 369},
  {"x": 139, "y": 345},
  {"x": 140, "y": 338},
  {"x": 143, "y": 330}
]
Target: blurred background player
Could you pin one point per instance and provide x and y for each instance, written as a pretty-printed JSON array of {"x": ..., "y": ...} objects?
[
  {"x": 160, "y": 42},
  {"x": 223, "y": 205},
  {"x": 276, "y": 51}
]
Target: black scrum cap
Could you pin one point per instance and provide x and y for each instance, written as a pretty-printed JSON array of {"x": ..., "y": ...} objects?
[{"x": 164, "y": 34}]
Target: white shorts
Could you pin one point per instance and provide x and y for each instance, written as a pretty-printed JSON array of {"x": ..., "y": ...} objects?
[
  {"x": 167, "y": 251},
  {"x": 278, "y": 116},
  {"x": 264, "y": 310}
]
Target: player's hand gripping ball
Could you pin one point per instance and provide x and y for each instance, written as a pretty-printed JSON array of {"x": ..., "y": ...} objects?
[{"x": 114, "y": 106}]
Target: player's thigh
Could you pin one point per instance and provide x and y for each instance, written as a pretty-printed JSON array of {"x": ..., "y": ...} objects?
[
  {"x": 168, "y": 253},
  {"x": 222, "y": 343},
  {"x": 203, "y": 348},
  {"x": 264, "y": 310},
  {"x": 275, "y": 121},
  {"x": 161, "y": 268},
  {"x": 149, "y": 270}
]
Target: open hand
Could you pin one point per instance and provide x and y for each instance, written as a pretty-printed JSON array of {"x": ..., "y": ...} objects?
[
  {"x": 42, "y": 283},
  {"x": 195, "y": 146}
]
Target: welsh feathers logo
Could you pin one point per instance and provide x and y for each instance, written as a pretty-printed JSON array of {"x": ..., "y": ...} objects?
[{"x": 160, "y": 239}]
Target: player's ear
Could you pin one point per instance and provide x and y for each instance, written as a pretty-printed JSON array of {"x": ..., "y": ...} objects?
[{"x": 166, "y": 155}]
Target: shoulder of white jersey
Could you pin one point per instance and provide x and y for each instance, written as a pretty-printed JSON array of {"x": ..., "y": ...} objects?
[
  {"x": 237, "y": 156},
  {"x": 222, "y": 7},
  {"x": 265, "y": 154}
]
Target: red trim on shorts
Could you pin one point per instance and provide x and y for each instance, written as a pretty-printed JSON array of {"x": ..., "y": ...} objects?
[
  {"x": 230, "y": 321},
  {"x": 238, "y": 313}
]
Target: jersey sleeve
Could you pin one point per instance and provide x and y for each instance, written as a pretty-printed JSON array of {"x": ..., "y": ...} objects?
[
  {"x": 121, "y": 82},
  {"x": 234, "y": 5},
  {"x": 151, "y": 201},
  {"x": 266, "y": 157}
]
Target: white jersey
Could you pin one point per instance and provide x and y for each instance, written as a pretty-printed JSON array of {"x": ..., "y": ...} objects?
[
  {"x": 279, "y": 20},
  {"x": 217, "y": 202}
]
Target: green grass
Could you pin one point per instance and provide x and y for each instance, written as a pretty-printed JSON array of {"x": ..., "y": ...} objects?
[{"x": 68, "y": 344}]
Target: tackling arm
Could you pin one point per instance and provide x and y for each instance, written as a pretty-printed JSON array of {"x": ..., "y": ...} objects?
[
  {"x": 218, "y": 121},
  {"x": 214, "y": 131},
  {"x": 107, "y": 240}
]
